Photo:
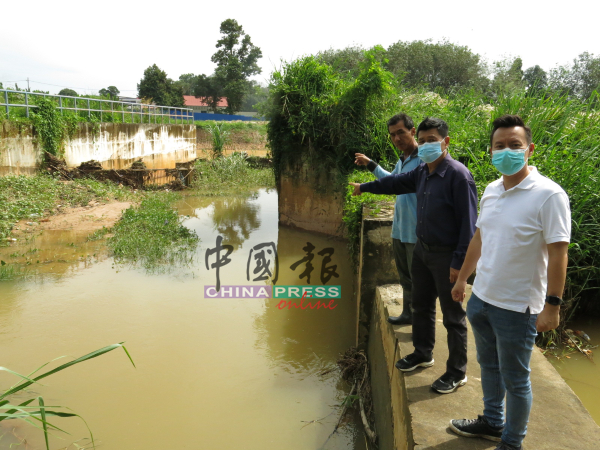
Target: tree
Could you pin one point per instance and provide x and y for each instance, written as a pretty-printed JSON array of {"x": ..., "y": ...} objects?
[
  {"x": 236, "y": 58},
  {"x": 535, "y": 79},
  {"x": 436, "y": 65},
  {"x": 111, "y": 92},
  {"x": 579, "y": 80},
  {"x": 157, "y": 87},
  {"x": 69, "y": 92},
  {"x": 508, "y": 76},
  {"x": 256, "y": 97},
  {"x": 187, "y": 82},
  {"x": 210, "y": 90}
]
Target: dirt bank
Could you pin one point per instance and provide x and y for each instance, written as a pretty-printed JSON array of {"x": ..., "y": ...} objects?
[{"x": 88, "y": 218}]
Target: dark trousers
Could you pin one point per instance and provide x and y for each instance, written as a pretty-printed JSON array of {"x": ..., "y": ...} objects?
[
  {"x": 431, "y": 279},
  {"x": 403, "y": 253}
]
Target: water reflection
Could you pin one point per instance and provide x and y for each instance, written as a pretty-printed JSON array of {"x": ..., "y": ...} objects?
[
  {"x": 234, "y": 218},
  {"x": 233, "y": 373},
  {"x": 300, "y": 340}
]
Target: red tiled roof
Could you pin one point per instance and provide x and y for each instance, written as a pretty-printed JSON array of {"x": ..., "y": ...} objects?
[{"x": 190, "y": 100}]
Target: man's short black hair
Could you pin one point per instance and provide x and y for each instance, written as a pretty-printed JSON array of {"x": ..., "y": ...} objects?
[
  {"x": 430, "y": 123},
  {"x": 510, "y": 121},
  {"x": 404, "y": 118}
]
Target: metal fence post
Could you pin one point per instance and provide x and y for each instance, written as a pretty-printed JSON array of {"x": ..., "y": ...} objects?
[
  {"x": 26, "y": 105},
  {"x": 6, "y": 101},
  {"x": 88, "y": 108}
]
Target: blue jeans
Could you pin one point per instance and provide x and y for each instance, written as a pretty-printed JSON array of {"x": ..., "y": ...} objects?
[{"x": 504, "y": 341}]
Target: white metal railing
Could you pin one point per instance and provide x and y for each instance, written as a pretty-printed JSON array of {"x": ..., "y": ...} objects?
[{"x": 153, "y": 113}]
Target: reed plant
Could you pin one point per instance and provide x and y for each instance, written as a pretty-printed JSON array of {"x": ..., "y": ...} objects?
[{"x": 39, "y": 414}]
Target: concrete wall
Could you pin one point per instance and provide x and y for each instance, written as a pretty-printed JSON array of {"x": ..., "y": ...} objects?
[
  {"x": 115, "y": 145},
  {"x": 376, "y": 263},
  {"x": 309, "y": 200}
]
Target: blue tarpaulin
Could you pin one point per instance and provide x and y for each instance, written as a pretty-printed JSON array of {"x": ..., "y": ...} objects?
[{"x": 207, "y": 116}]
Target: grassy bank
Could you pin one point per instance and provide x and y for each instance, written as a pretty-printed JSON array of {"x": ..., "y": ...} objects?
[
  {"x": 232, "y": 137},
  {"x": 230, "y": 175},
  {"x": 33, "y": 197}
]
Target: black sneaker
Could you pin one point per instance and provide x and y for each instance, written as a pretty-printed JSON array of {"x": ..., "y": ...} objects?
[
  {"x": 504, "y": 446},
  {"x": 477, "y": 428},
  {"x": 411, "y": 362},
  {"x": 448, "y": 383}
]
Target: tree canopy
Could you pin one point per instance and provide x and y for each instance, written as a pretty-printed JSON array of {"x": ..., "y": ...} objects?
[
  {"x": 68, "y": 92},
  {"x": 157, "y": 87},
  {"x": 236, "y": 58},
  {"x": 111, "y": 92}
]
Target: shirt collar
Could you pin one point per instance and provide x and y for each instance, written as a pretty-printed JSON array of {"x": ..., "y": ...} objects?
[
  {"x": 442, "y": 166},
  {"x": 529, "y": 181},
  {"x": 414, "y": 154}
]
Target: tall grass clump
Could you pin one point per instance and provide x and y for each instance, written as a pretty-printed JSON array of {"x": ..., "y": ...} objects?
[
  {"x": 321, "y": 116},
  {"x": 151, "y": 235},
  {"x": 40, "y": 413},
  {"x": 219, "y": 137},
  {"x": 231, "y": 175}
]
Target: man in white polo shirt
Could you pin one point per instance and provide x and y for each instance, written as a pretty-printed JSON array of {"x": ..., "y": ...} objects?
[{"x": 520, "y": 252}]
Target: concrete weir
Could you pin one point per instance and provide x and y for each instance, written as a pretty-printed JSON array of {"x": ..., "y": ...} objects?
[
  {"x": 114, "y": 145},
  {"x": 409, "y": 415}
]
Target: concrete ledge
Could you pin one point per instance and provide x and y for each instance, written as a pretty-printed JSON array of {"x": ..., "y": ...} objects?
[{"x": 420, "y": 416}]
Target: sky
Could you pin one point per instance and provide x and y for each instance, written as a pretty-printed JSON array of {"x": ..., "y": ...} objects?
[{"x": 88, "y": 46}]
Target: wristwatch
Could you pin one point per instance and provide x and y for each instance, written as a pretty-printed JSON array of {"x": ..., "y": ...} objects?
[{"x": 554, "y": 300}]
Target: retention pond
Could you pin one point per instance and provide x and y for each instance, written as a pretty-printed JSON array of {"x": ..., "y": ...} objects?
[{"x": 212, "y": 373}]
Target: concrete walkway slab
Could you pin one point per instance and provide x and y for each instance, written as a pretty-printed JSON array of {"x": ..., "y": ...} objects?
[{"x": 558, "y": 419}]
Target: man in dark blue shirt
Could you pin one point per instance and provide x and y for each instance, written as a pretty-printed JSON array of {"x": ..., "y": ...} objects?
[{"x": 446, "y": 216}]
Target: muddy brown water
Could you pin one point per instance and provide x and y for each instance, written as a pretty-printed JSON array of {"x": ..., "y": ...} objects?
[
  {"x": 212, "y": 373},
  {"x": 581, "y": 374}
]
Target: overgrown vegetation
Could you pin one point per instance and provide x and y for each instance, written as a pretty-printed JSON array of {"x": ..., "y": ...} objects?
[
  {"x": 151, "y": 235},
  {"x": 230, "y": 175},
  {"x": 24, "y": 197},
  {"x": 102, "y": 111},
  {"x": 326, "y": 116},
  {"x": 38, "y": 415}
]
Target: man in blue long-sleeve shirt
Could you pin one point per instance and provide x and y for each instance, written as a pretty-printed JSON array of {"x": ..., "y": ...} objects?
[
  {"x": 446, "y": 216},
  {"x": 404, "y": 237}
]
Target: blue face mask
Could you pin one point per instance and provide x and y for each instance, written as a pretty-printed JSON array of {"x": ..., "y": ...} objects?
[
  {"x": 509, "y": 161},
  {"x": 430, "y": 151}
]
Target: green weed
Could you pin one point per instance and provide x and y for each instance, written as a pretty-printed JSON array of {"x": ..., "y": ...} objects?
[{"x": 152, "y": 236}]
